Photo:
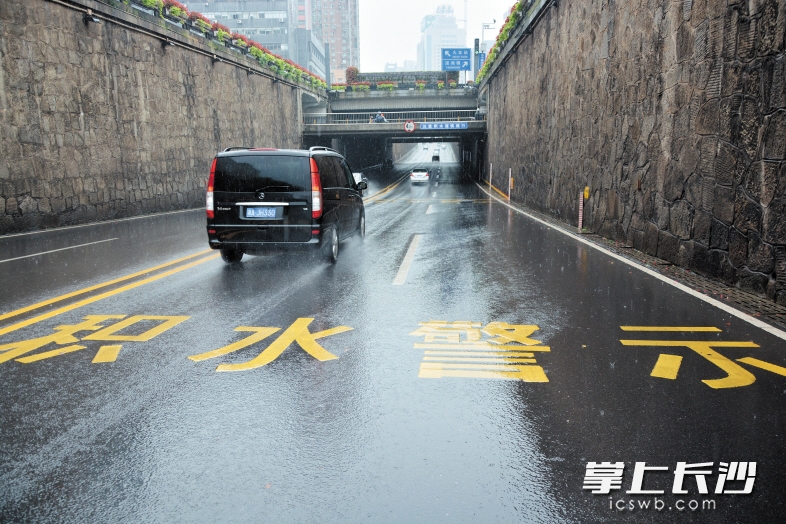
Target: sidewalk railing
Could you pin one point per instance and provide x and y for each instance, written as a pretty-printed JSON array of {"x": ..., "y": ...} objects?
[{"x": 398, "y": 117}]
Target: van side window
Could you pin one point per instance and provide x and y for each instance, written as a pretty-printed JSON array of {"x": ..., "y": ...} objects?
[
  {"x": 341, "y": 176},
  {"x": 327, "y": 171},
  {"x": 347, "y": 173}
]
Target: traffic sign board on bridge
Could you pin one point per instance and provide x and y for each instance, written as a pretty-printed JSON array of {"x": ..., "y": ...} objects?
[
  {"x": 457, "y": 59},
  {"x": 443, "y": 125}
]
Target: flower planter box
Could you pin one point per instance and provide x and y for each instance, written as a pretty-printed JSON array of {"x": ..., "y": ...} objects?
[
  {"x": 177, "y": 22},
  {"x": 143, "y": 9}
]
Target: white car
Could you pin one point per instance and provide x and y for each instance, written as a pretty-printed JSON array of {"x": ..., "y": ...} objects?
[{"x": 419, "y": 176}]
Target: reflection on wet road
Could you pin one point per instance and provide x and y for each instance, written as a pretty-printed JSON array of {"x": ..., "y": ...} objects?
[{"x": 464, "y": 363}]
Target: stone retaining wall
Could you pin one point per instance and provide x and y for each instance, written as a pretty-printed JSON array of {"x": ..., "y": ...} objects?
[
  {"x": 99, "y": 121},
  {"x": 673, "y": 112}
]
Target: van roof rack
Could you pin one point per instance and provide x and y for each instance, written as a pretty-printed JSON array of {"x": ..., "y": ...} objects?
[
  {"x": 236, "y": 148},
  {"x": 322, "y": 148}
]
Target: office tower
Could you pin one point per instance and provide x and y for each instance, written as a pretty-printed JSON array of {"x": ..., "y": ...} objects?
[
  {"x": 438, "y": 31},
  {"x": 336, "y": 22}
]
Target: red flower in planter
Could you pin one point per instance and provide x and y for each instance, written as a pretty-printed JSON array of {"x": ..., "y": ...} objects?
[
  {"x": 175, "y": 3},
  {"x": 194, "y": 16},
  {"x": 220, "y": 27}
]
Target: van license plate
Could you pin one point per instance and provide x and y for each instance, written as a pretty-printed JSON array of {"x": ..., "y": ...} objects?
[{"x": 261, "y": 212}]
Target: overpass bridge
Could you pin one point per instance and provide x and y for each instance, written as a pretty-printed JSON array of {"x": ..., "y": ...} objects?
[{"x": 412, "y": 115}]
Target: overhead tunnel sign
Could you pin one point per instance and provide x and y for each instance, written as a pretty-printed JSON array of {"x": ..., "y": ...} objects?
[{"x": 443, "y": 125}]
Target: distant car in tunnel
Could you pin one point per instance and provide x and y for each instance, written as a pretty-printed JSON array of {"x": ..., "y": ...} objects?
[{"x": 419, "y": 176}]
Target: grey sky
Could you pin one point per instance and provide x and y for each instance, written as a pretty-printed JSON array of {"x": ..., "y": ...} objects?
[{"x": 390, "y": 29}]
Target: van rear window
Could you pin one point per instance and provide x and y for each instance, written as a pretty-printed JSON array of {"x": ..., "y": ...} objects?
[{"x": 270, "y": 173}]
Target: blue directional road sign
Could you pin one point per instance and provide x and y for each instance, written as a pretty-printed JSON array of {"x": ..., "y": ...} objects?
[
  {"x": 457, "y": 59},
  {"x": 481, "y": 60},
  {"x": 443, "y": 125}
]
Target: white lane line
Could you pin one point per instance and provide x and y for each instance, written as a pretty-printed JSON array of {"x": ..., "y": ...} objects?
[
  {"x": 718, "y": 304},
  {"x": 407, "y": 263},
  {"x": 116, "y": 220},
  {"x": 431, "y": 210},
  {"x": 56, "y": 250}
]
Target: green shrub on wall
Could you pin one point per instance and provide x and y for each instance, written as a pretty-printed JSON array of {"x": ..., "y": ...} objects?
[
  {"x": 156, "y": 5},
  {"x": 516, "y": 15}
]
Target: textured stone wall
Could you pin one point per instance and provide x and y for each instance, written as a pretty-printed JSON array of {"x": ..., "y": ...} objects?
[
  {"x": 673, "y": 112},
  {"x": 98, "y": 121}
]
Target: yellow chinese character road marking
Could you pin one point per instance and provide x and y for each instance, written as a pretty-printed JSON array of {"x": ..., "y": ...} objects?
[
  {"x": 737, "y": 376},
  {"x": 484, "y": 359},
  {"x": 695, "y": 329},
  {"x": 455, "y": 349},
  {"x": 506, "y": 333},
  {"x": 525, "y": 373},
  {"x": 260, "y": 333},
  {"x": 64, "y": 335},
  {"x": 107, "y": 354},
  {"x": 108, "y": 334},
  {"x": 480, "y": 353},
  {"x": 667, "y": 366},
  {"x": 443, "y": 331},
  {"x": 297, "y": 332},
  {"x": 755, "y": 362},
  {"x": 482, "y": 347}
]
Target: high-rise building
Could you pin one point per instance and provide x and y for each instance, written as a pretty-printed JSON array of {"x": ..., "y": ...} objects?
[
  {"x": 438, "y": 31},
  {"x": 336, "y": 22},
  {"x": 282, "y": 26}
]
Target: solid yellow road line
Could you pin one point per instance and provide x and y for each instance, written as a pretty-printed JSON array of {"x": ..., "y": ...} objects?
[
  {"x": 96, "y": 298},
  {"x": 763, "y": 365},
  {"x": 381, "y": 193},
  {"x": 667, "y": 366},
  {"x": 97, "y": 286},
  {"x": 673, "y": 329}
]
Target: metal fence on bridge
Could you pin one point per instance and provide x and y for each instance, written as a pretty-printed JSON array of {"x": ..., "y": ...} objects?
[{"x": 393, "y": 117}]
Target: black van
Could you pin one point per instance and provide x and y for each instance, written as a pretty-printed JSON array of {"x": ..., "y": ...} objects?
[{"x": 266, "y": 200}]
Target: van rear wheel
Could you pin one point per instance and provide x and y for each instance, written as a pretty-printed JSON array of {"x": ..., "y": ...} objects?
[
  {"x": 361, "y": 231},
  {"x": 231, "y": 256},
  {"x": 332, "y": 245}
]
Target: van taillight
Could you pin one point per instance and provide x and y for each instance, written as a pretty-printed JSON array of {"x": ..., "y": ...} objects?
[
  {"x": 209, "y": 195},
  {"x": 316, "y": 191}
]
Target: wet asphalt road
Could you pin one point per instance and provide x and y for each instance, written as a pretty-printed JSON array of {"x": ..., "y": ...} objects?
[{"x": 365, "y": 431}]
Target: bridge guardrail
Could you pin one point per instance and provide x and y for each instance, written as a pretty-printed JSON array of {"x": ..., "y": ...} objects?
[{"x": 392, "y": 117}]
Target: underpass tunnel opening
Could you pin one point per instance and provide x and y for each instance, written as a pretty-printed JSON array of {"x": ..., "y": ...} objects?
[
  {"x": 369, "y": 152},
  {"x": 361, "y": 152}
]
